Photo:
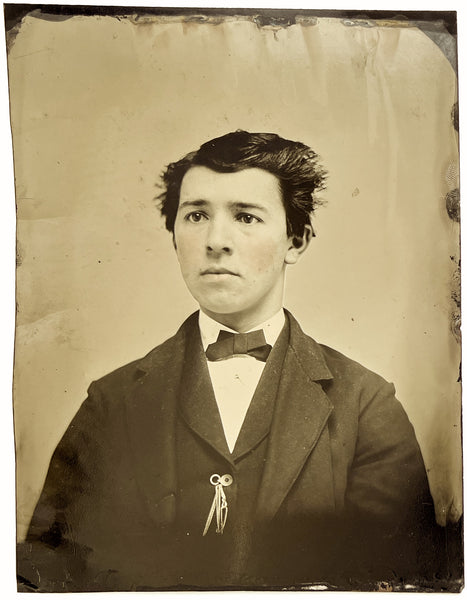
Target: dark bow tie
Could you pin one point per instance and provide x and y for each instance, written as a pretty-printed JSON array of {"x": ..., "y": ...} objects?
[{"x": 229, "y": 344}]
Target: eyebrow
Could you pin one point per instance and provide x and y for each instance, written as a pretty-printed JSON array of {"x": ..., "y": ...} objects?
[
  {"x": 193, "y": 203},
  {"x": 235, "y": 205},
  {"x": 249, "y": 206}
]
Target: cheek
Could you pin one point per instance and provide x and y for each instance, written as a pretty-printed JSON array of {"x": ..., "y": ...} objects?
[
  {"x": 187, "y": 248},
  {"x": 267, "y": 256}
]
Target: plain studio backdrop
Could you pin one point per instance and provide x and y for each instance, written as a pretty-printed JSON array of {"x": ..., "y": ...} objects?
[{"x": 99, "y": 106}]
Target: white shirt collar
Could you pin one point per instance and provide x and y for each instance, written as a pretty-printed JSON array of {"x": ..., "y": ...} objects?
[{"x": 210, "y": 329}]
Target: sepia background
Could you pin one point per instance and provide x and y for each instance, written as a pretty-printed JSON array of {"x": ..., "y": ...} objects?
[{"x": 100, "y": 104}]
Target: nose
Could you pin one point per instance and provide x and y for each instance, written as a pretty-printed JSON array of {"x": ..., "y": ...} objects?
[{"x": 219, "y": 237}]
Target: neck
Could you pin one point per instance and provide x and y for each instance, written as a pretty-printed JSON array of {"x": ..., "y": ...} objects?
[{"x": 241, "y": 323}]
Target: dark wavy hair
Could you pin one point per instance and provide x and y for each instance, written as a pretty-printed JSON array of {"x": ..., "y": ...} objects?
[{"x": 294, "y": 164}]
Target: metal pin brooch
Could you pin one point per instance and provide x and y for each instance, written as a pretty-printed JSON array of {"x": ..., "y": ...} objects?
[{"x": 219, "y": 503}]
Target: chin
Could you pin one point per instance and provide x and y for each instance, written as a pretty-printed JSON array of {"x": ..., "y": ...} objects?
[
  {"x": 220, "y": 304},
  {"x": 221, "y": 309}
]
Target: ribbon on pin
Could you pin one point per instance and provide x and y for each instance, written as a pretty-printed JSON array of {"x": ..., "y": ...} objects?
[{"x": 219, "y": 505}]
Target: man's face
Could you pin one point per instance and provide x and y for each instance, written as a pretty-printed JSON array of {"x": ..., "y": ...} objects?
[{"x": 232, "y": 244}]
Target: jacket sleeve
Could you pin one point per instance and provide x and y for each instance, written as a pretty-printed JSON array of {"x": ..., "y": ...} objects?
[
  {"x": 52, "y": 558},
  {"x": 390, "y": 511}
]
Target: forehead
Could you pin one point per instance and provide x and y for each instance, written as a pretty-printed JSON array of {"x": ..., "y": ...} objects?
[{"x": 202, "y": 183}]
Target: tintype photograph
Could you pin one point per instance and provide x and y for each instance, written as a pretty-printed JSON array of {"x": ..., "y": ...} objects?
[{"x": 237, "y": 350}]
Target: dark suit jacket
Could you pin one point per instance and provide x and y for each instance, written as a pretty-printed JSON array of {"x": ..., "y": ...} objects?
[{"x": 343, "y": 495}]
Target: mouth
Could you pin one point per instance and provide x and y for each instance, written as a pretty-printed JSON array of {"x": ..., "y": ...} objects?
[{"x": 218, "y": 271}]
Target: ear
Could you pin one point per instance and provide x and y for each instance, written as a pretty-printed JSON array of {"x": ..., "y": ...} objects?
[{"x": 298, "y": 245}]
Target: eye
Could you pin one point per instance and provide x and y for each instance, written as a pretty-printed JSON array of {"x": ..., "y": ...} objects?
[
  {"x": 247, "y": 218},
  {"x": 195, "y": 217}
]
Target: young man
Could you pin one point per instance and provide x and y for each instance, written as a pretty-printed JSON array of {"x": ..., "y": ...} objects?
[{"x": 239, "y": 453}]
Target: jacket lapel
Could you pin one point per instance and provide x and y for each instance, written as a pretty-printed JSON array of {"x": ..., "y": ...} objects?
[
  {"x": 151, "y": 412},
  {"x": 197, "y": 402},
  {"x": 258, "y": 419},
  {"x": 302, "y": 410}
]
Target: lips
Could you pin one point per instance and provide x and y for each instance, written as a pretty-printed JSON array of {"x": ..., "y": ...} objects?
[{"x": 218, "y": 271}]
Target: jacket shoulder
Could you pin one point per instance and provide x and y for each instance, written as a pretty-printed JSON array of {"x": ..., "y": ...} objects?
[
  {"x": 356, "y": 390},
  {"x": 159, "y": 359},
  {"x": 343, "y": 367},
  {"x": 323, "y": 363}
]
